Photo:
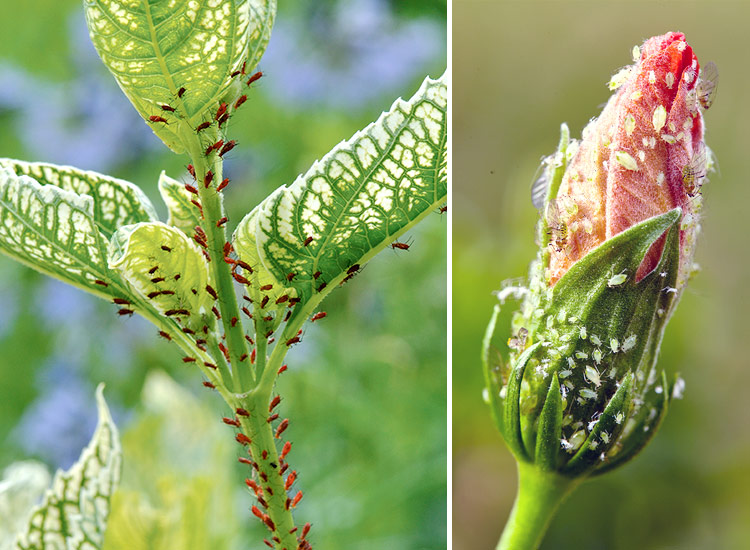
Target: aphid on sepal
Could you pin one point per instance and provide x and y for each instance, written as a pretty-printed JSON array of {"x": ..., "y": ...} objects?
[{"x": 708, "y": 81}]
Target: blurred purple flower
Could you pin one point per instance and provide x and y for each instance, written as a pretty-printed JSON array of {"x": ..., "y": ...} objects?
[{"x": 375, "y": 54}]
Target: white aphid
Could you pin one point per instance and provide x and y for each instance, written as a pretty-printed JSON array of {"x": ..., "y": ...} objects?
[{"x": 592, "y": 375}]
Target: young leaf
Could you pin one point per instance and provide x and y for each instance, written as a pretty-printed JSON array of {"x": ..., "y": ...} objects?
[
  {"x": 22, "y": 486},
  {"x": 356, "y": 200},
  {"x": 53, "y": 230},
  {"x": 181, "y": 54},
  {"x": 166, "y": 269},
  {"x": 183, "y": 214},
  {"x": 116, "y": 202},
  {"x": 74, "y": 511}
]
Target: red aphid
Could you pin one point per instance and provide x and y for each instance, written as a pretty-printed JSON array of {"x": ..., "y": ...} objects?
[
  {"x": 318, "y": 316},
  {"x": 264, "y": 454},
  {"x": 228, "y": 146},
  {"x": 210, "y": 365},
  {"x": 221, "y": 111},
  {"x": 296, "y": 499},
  {"x": 125, "y": 311},
  {"x": 274, "y": 402},
  {"x": 212, "y": 292},
  {"x": 168, "y": 108},
  {"x": 191, "y": 189},
  {"x": 164, "y": 335},
  {"x": 223, "y": 119},
  {"x": 202, "y": 126},
  {"x": 245, "y": 266},
  {"x": 290, "y": 276},
  {"x": 242, "y": 412},
  {"x": 266, "y": 287},
  {"x": 191, "y": 170},
  {"x": 240, "y": 279},
  {"x": 222, "y": 221},
  {"x": 155, "y": 118},
  {"x": 242, "y": 439},
  {"x": 208, "y": 178},
  {"x": 285, "y": 450},
  {"x": 272, "y": 418},
  {"x": 233, "y": 322},
  {"x": 231, "y": 421},
  {"x": 209, "y": 385},
  {"x": 305, "y": 530},
  {"x": 283, "y": 426},
  {"x": 100, "y": 283},
  {"x": 244, "y": 460},
  {"x": 264, "y": 302},
  {"x": 121, "y": 301},
  {"x": 223, "y": 184},
  {"x": 400, "y": 246},
  {"x": 290, "y": 480},
  {"x": 256, "y": 512},
  {"x": 252, "y": 357},
  {"x": 316, "y": 275},
  {"x": 282, "y": 368},
  {"x": 188, "y": 359},
  {"x": 308, "y": 240},
  {"x": 282, "y": 299},
  {"x": 254, "y": 78},
  {"x": 216, "y": 312},
  {"x": 240, "y": 101}
]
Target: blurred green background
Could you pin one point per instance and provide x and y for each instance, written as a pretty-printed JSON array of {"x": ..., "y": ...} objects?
[
  {"x": 519, "y": 70},
  {"x": 365, "y": 391}
]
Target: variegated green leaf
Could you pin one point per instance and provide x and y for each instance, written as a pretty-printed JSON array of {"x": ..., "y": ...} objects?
[
  {"x": 73, "y": 514},
  {"x": 183, "y": 214},
  {"x": 356, "y": 200},
  {"x": 165, "y": 268},
  {"x": 262, "y": 16},
  {"x": 21, "y": 488},
  {"x": 53, "y": 230},
  {"x": 116, "y": 202},
  {"x": 180, "y": 53}
]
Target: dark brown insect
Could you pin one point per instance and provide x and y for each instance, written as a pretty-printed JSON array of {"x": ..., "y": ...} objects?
[
  {"x": 156, "y": 118},
  {"x": 121, "y": 301},
  {"x": 316, "y": 275},
  {"x": 191, "y": 170},
  {"x": 235, "y": 73},
  {"x": 153, "y": 270},
  {"x": 191, "y": 189},
  {"x": 221, "y": 111},
  {"x": 400, "y": 246},
  {"x": 264, "y": 455},
  {"x": 231, "y": 421},
  {"x": 293, "y": 301},
  {"x": 322, "y": 286},
  {"x": 283, "y": 468},
  {"x": 242, "y": 439},
  {"x": 290, "y": 276},
  {"x": 208, "y": 178},
  {"x": 244, "y": 460},
  {"x": 280, "y": 429},
  {"x": 282, "y": 299},
  {"x": 247, "y": 312},
  {"x": 216, "y": 312},
  {"x": 168, "y": 108},
  {"x": 274, "y": 402},
  {"x": 245, "y": 266},
  {"x": 233, "y": 322},
  {"x": 240, "y": 279},
  {"x": 292, "y": 340},
  {"x": 202, "y": 126},
  {"x": 165, "y": 248},
  {"x": 157, "y": 280},
  {"x": 318, "y": 316},
  {"x": 288, "y": 314},
  {"x": 223, "y": 119},
  {"x": 222, "y": 221},
  {"x": 228, "y": 146},
  {"x": 242, "y": 412},
  {"x": 270, "y": 524},
  {"x": 171, "y": 312},
  {"x": 353, "y": 269},
  {"x": 254, "y": 78},
  {"x": 223, "y": 184},
  {"x": 100, "y": 283},
  {"x": 212, "y": 292},
  {"x": 181, "y": 92},
  {"x": 308, "y": 240},
  {"x": 190, "y": 331},
  {"x": 125, "y": 311},
  {"x": 264, "y": 302},
  {"x": 443, "y": 209},
  {"x": 164, "y": 335},
  {"x": 240, "y": 101},
  {"x": 188, "y": 359},
  {"x": 266, "y": 287},
  {"x": 305, "y": 530}
]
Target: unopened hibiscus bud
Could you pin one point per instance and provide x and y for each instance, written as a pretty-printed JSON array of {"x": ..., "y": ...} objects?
[{"x": 619, "y": 218}]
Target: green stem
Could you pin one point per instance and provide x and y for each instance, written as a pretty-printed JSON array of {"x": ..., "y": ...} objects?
[
  {"x": 539, "y": 495},
  {"x": 213, "y": 211}
]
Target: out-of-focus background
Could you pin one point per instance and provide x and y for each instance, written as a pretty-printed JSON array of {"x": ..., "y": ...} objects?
[
  {"x": 365, "y": 390},
  {"x": 519, "y": 70}
]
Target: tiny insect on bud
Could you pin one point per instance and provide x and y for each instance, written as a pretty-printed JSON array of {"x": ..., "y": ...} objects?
[
  {"x": 212, "y": 292},
  {"x": 254, "y": 486},
  {"x": 321, "y": 286},
  {"x": 235, "y": 73},
  {"x": 191, "y": 170},
  {"x": 171, "y": 312},
  {"x": 400, "y": 246},
  {"x": 284, "y": 468},
  {"x": 187, "y": 330},
  {"x": 252, "y": 357},
  {"x": 233, "y": 322},
  {"x": 246, "y": 461},
  {"x": 353, "y": 269},
  {"x": 223, "y": 119},
  {"x": 216, "y": 313},
  {"x": 153, "y": 270},
  {"x": 210, "y": 365},
  {"x": 266, "y": 287}
]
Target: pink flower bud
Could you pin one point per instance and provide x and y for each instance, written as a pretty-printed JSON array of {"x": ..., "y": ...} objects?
[{"x": 643, "y": 156}]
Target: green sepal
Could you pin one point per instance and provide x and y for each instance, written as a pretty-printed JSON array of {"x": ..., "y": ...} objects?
[
  {"x": 547, "y": 452},
  {"x": 595, "y": 447},
  {"x": 512, "y": 412},
  {"x": 639, "y": 429},
  {"x": 493, "y": 381}
]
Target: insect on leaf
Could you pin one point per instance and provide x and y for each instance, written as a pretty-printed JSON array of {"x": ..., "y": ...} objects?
[
  {"x": 356, "y": 200},
  {"x": 183, "y": 214},
  {"x": 165, "y": 268},
  {"x": 180, "y": 54},
  {"x": 73, "y": 514}
]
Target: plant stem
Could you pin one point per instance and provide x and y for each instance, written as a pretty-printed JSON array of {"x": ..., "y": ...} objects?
[{"x": 539, "y": 495}]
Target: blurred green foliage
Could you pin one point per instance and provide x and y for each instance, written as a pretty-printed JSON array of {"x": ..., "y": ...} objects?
[
  {"x": 365, "y": 391},
  {"x": 520, "y": 69}
]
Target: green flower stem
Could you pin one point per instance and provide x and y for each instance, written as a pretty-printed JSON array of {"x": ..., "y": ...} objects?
[
  {"x": 539, "y": 495},
  {"x": 213, "y": 211},
  {"x": 262, "y": 439}
]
